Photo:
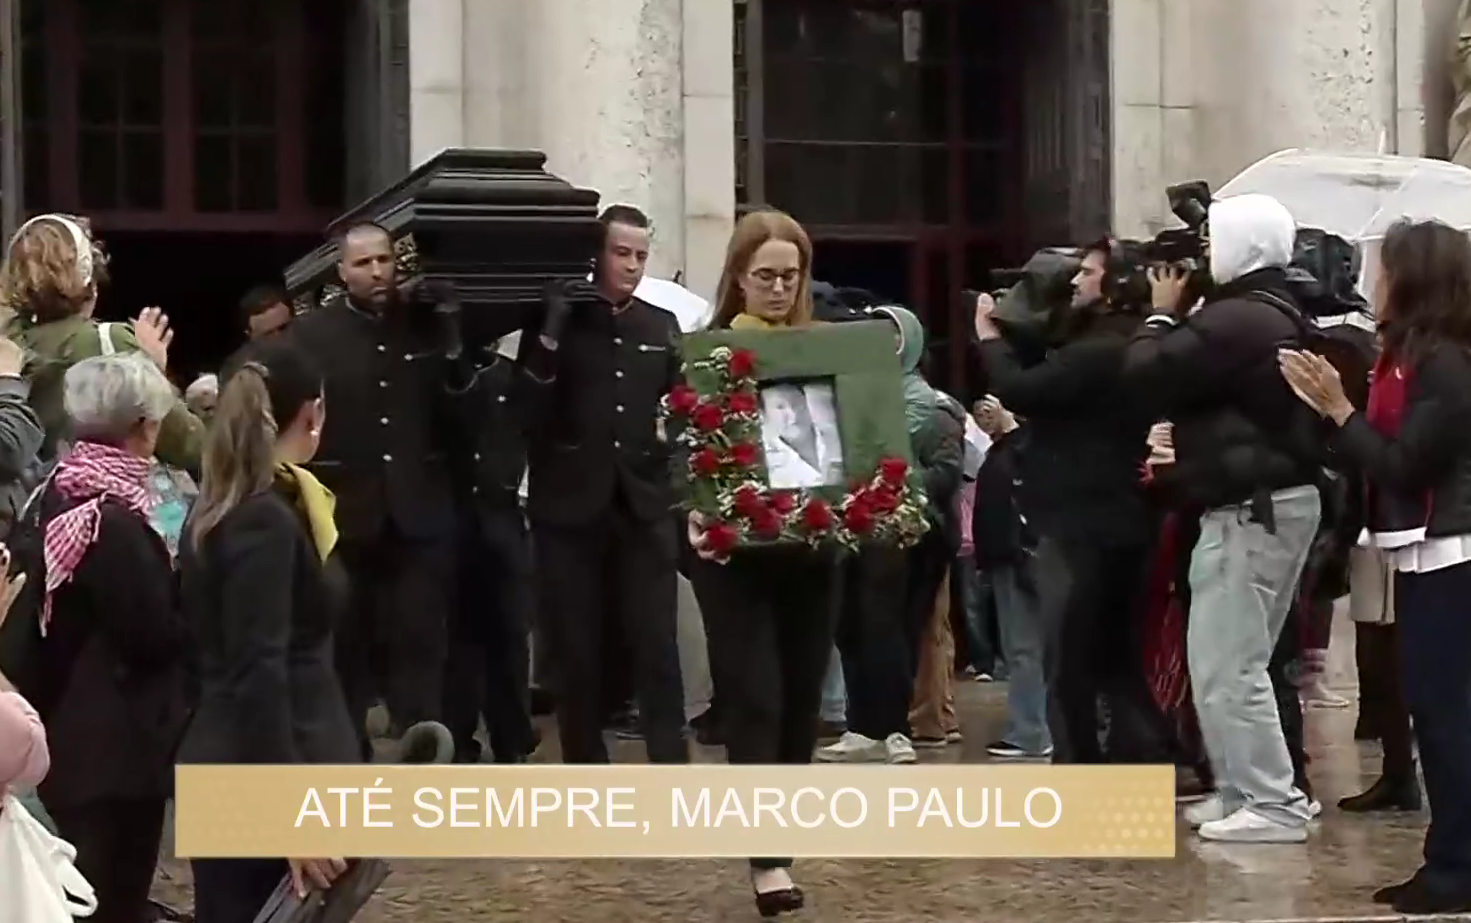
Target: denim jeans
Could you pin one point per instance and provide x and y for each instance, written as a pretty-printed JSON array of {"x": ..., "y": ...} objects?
[
  {"x": 976, "y": 596},
  {"x": 1021, "y": 645},
  {"x": 834, "y": 693},
  {"x": 1242, "y": 581}
]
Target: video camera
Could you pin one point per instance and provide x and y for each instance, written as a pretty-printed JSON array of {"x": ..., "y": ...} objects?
[{"x": 1186, "y": 248}]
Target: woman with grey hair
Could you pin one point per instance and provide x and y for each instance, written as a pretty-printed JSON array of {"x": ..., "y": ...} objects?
[{"x": 112, "y": 686}]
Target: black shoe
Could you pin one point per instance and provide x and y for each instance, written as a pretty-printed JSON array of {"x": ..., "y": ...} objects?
[
  {"x": 829, "y": 731},
  {"x": 627, "y": 728},
  {"x": 774, "y": 903},
  {"x": 1418, "y": 898},
  {"x": 1390, "y": 893},
  {"x": 469, "y": 754},
  {"x": 542, "y": 702},
  {"x": 1399, "y": 793}
]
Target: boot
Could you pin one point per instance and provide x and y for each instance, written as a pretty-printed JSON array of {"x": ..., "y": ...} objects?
[{"x": 1397, "y": 792}]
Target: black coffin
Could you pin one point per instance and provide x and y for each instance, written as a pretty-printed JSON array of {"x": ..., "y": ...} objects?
[{"x": 493, "y": 223}]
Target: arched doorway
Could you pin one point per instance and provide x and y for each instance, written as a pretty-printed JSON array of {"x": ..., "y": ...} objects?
[{"x": 204, "y": 138}]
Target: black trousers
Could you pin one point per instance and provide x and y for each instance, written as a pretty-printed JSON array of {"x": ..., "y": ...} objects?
[
  {"x": 873, "y": 641},
  {"x": 618, "y": 570},
  {"x": 392, "y": 642},
  {"x": 234, "y": 890},
  {"x": 1435, "y": 651},
  {"x": 1090, "y": 600},
  {"x": 1382, "y": 705},
  {"x": 928, "y": 563},
  {"x": 769, "y": 626},
  {"x": 488, "y": 671},
  {"x": 1281, "y": 670},
  {"x": 117, "y": 843}
]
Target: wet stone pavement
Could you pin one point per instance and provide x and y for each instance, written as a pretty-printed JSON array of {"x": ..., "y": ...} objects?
[{"x": 1330, "y": 877}]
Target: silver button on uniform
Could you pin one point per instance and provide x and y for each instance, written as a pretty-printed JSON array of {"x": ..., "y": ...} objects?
[{"x": 388, "y": 458}]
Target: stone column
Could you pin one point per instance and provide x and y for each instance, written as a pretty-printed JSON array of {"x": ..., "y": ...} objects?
[
  {"x": 436, "y": 77},
  {"x": 709, "y": 141},
  {"x": 609, "y": 106}
]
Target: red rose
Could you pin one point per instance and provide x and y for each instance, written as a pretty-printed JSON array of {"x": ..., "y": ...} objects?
[
  {"x": 683, "y": 398},
  {"x": 766, "y": 523},
  {"x": 784, "y": 501},
  {"x": 817, "y": 516},
  {"x": 858, "y": 517},
  {"x": 741, "y": 402},
  {"x": 893, "y": 470},
  {"x": 744, "y": 454},
  {"x": 747, "y": 502},
  {"x": 720, "y": 537},
  {"x": 705, "y": 462},
  {"x": 708, "y": 417},
  {"x": 883, "y": 499},
  {"x": 742, "y": 362}
]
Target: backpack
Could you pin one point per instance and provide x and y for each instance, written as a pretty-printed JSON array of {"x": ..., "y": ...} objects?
[{"x": 20, "y": 634}]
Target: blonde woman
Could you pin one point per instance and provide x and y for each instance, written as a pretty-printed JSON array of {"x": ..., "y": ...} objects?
[
  {"x": 49, "y": 283},
  {"x": 768, "y": 614}
]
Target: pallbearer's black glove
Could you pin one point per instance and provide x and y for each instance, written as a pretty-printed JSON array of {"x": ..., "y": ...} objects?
[{"x": 558, "y": 310}]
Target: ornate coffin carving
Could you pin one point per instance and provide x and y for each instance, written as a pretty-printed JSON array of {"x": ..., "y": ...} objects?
[{"x": 494, "y": 223}]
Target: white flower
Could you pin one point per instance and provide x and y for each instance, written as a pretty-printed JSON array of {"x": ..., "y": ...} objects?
[{"x": 720, "y": 352}]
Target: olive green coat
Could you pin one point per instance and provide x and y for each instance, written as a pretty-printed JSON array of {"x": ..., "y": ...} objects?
[{"x": 52, "y": 347}]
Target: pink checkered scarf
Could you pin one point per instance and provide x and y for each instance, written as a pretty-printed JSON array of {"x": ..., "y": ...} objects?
[{"x": 91, "y": 472}]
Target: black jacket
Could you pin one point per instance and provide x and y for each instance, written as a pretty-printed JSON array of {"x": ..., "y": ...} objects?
[
  {"x": 1420, "y": 478},
  {"x": 1239, "y": 431},
  {"x": 262, "y": 606},
  {"x": 592, "y": 411},
  {"x": 386, "y": 442},
  {"x": 115, "y": 697},
  {"x": 489, "y": 457},
  {"x": 997, "y": 530},
  {"x": 1085, "y": 442}
]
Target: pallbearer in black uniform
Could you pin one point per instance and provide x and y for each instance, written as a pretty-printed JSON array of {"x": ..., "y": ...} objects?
[
  {"x": 600, "y": 495},
  {"x": 489, "y": 659},
  {"x": 384, "y": 453}
]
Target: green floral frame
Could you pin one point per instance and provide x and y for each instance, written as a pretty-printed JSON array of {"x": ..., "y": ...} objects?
[{"x": 716, "y": 414}]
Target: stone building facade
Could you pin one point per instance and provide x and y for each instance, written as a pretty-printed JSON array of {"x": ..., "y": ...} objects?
[{"x": 635, "y": 97}]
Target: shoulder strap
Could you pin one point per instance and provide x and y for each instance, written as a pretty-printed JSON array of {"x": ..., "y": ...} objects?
[
  {"x": 1292, "y": 311},
  {"x": 104, "y": 339}
]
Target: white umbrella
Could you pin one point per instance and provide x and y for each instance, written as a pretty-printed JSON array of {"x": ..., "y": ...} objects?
[
  {"x": 692, "y": 311},
  {"x": 1358, "y": 196}
]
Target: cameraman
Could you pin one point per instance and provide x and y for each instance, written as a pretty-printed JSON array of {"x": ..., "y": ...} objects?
[
  {"x": 1247, "y": 454},
  {"x": 1081, "y": 497}
]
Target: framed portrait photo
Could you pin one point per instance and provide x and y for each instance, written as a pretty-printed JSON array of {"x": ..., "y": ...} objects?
[{"x": 797, "y": 436}]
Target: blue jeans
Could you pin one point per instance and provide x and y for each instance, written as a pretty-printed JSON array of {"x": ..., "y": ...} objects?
[
  {"x": 1021, "y": 644},
  {"x": 834, "y": 692},
  {"x": 975, "y": 596}
]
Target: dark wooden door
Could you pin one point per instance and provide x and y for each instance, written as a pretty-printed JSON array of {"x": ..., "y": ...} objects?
[{"x": 184, "y": 115}]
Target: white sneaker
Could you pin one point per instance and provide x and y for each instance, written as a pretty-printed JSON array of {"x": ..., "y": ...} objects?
[
  {"x": 1244, "y": 826},
  {"x": 898, "y": 749},
  {"x": 1315, "y": 809},
  {"x": 851, "y": 748},
  {"x": 1204, "y": 812}
]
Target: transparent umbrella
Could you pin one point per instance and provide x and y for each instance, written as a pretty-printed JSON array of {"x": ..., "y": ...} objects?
[{"x": 1358, "y": 196}]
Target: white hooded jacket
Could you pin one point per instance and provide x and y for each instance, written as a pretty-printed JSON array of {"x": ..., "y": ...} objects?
[{"x": 1248, "y": 233}]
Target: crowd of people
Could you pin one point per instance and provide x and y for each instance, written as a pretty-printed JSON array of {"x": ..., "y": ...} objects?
[{"x": 343, "y": 545}]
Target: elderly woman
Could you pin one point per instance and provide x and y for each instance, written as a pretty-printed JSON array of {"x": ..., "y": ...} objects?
[{"x": 113, "y": 686}]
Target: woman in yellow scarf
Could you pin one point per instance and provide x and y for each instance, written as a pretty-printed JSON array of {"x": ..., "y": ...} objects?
[
  {"x": 769, "y": 613},
  {"x": 261, "y": 591}
]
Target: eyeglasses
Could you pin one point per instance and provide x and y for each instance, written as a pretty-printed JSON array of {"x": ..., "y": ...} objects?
[{"x": 767, "y": 278}]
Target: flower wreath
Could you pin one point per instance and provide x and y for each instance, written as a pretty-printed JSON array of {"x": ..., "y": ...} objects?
[{"x": 722, "y": 432}]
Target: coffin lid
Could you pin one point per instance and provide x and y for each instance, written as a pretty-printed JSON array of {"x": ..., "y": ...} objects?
[{"x": 493, "y": 222}]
